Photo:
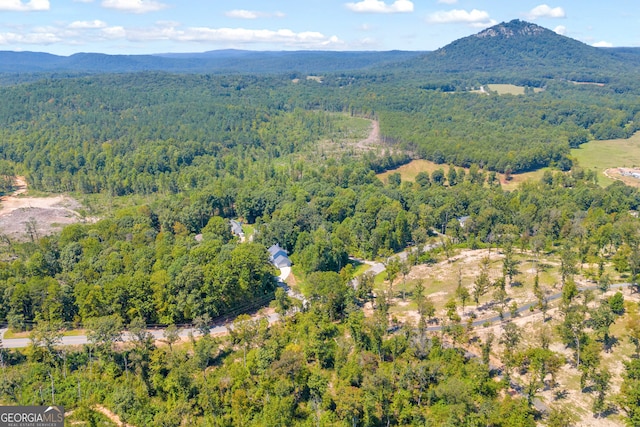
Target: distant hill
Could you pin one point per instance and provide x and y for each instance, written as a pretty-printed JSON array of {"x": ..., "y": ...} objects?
[
  {"x": 221, "y": 61},
  {"x": 527, "y": 50},
  {"x": 516, "y": 51},
  {"x": 629, "y": 54}
]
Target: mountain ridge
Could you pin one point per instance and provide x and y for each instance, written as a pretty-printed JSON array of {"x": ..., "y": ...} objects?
[
  {"x": 509, "y": 48},
  {"x": 217, "y": 61},
  {"x": 522, "y": 53}
]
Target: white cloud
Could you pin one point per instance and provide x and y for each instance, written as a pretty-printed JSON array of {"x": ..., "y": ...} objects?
[
  {"x": 83, "y": 25},
  {"x": 475, "y": 17},
  {"x": 83, "y": 1},
  {"x": 602, "y": 44},
  {"x": 114, "y": 32},
  {"x": 242, "y": 35},
  {"x": 484, "y": 24},
  {"x": 368, "y": 41},
  {"x": 20, "y": 6},
  {"x": 134, "y": 6},
  {"x": 447, "y": 1},
  {"x": 243, "y": 14},
  {"x": 228, "y": 36},
  {"x": 83, "y": 32},
  {"x": 546, "y": 11},
  {"x": 378, "y": 6},
  {"x": 560, "y": 29},
  {"x": 252, "y": 14},
  {"x": 37, "y": 37}
]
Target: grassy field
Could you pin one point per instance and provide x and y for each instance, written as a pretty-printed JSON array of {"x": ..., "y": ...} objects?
[
  {"x": 409, "y": 171},
  {"x": 595, "y": 155},
  {"x": 613, "y": 153},
  {"x": 248, "y": 230},
  {"x": 509, "y": 89}
]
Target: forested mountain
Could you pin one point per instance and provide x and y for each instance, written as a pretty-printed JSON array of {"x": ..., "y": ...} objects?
[
  {"x": 631, "y": 54},
  {"x": 515, "y": 48},
  {"x": 519, "y": 48},
  {"x": 216, "y": 62}
]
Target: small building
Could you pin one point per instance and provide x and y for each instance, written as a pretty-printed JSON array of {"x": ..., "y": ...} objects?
[
  {"x": 236, "y": 229},
  {"x": 278, "y": 256},
  {"x": 463, "y": 220}
]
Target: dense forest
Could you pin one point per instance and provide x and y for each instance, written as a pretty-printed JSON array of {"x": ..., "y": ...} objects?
[
  {"x": 147, "y": 133},
  {"x": 31, "y": 65},
  {"x": 328, "y": 364},
  {"x": 145, "y": 262},
  {"x": 166, "y": 160}
]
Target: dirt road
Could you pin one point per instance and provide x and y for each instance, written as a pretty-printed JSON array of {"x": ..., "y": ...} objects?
[{"x": 373, "y": 140}]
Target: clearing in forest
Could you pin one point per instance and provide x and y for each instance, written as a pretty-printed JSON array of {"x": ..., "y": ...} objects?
[
  {"x": 606, "y": 157},
  {"x": 23, "y": 217},
  {"x": 409, "y": 172},
  {"x": 441, "y": 279},
  {"x": 351, "y": 135},
  {"x": 506, "y": 89}
]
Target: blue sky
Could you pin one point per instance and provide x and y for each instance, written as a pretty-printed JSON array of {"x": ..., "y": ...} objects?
[{"x": 65, "y": 27}]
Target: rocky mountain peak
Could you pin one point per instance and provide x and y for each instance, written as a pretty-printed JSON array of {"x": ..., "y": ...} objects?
[{"x": 512, "y": 29}]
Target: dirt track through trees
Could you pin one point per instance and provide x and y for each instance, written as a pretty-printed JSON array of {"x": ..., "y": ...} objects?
[{"x": 373, "y": 140}]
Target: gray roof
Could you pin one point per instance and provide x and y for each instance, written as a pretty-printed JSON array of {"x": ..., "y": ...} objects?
[
  {"x": 236, "y": 228},
  {"x": 278, "y": 256},
  {"x": 282, "y": 261},
  {"x": 273, "y": 250}
]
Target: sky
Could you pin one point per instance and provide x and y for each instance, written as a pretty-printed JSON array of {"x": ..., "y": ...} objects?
[{"x": 64, "y": 27}]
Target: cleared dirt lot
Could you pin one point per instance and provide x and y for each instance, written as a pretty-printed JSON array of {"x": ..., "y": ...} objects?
[{"x": 21, "y": 215}]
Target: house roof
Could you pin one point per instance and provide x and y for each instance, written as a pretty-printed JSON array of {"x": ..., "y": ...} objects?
[
  {"x": 278, "y": 256},
  {"x": 282, "y": 261},
  {"x": 273, "y": 250},
  {"x": 236, "y": 228}
]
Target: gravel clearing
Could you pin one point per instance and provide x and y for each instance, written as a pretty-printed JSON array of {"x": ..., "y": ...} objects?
[{"x": 22, "y": 216}]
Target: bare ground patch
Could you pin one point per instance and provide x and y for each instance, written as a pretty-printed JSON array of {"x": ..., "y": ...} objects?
[
  {"x": 630, "y": 176},
  {"x": 440, "y": 281},
  {"x": 22, "y": 217},
  {"x": 373, "y": 139},
  {"x": 113, "y": 417}
]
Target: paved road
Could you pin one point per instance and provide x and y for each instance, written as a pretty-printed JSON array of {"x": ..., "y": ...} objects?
[
  {"x": 376, "y": 267},
  {"x": 158, "y": 334},
  {"x": 284, "y": 273}
]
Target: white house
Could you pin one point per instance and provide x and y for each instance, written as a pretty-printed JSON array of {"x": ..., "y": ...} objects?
[{"x": 278, "y": 256}]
